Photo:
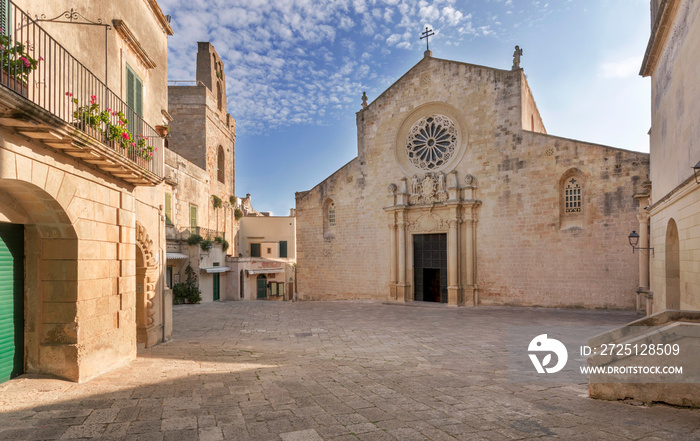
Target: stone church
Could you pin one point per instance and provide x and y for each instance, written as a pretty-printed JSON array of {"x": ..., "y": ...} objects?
[{"x": 458, "y": 195}]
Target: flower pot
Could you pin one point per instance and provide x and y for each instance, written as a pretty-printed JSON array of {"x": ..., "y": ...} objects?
[
  {"x": 15, "y": 84},
  {"x": 162, "y": 131}
]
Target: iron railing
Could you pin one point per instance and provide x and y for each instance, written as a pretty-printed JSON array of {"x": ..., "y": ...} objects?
[{"x": 37, "y": 67}]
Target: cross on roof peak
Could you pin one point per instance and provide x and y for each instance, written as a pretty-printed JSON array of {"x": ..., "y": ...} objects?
[{"x": 426, "y": 35}]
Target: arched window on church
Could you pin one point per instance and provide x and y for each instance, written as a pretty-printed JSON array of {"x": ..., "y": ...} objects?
[
  {"x": 331, "y": 214},
  {"x": 221, "y": 166},
  {"x": 572, "y": 199},
  {"x": 329, "y": 219},
  {"x": 219, "y": 96}
]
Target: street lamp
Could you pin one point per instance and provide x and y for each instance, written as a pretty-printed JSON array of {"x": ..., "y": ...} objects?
[
  {"x": 696, "y": 170},
  {"x": 634, "y": 241}
]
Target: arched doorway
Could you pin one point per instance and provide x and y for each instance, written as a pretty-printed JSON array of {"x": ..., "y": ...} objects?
[
  {"x": 262, "y": 286},
  {"x": 673, "y": 267},
  {"x": 39, "y": 290}
]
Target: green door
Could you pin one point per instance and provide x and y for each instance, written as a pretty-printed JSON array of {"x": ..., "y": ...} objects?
[
  {"x": 262, "y": 286},
  {"x": 216, "y": 286},
  {"x": 11, "y": 300}
]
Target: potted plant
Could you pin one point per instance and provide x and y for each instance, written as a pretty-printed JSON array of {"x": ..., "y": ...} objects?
[{"x": 162, "y": 131}]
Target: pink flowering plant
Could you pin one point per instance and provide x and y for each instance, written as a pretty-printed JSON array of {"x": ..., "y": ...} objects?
[
  {"x": 93, "y": 116},
  {"x": 15, "y": 58}
]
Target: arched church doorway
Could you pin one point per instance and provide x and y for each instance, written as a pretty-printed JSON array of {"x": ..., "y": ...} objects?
[
  {"x": 430, "y": 267},
  {"x": 262, "y": 286},
  {"x": 673, "y": 267}
]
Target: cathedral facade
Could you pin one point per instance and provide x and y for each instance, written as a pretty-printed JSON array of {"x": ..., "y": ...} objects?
[{"x": 459, "y": 196}]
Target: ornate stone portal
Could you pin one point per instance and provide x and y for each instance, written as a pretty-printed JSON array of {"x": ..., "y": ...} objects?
[
  {"x": 429, "y": 204},
  {"x": 147, "y": 276}
]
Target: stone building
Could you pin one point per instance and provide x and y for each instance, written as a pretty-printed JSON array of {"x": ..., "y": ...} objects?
[
  {"x": 81, "y": 199},
  {"x": 458, "y": 195},
  {"x": 200, "y": 177},
  {"x": 673, "y": 213},
  {"x": 267, "y": 253}
]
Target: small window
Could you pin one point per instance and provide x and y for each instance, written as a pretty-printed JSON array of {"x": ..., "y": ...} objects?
[
  {"x": 572, "y": 199},
  {"x": 168, "y": 209},
  {"x": 572, "y": 196},
  {"x": 221, "y": 165},
  {"x": 254, "y": 250},
  {"x": 283, "y": 248},
  {"x": 169, "y": 277},
  {"x": 331, "y": 214},
  {"x": 193, "y": 219},
  {"x": 269, "y": 251}
]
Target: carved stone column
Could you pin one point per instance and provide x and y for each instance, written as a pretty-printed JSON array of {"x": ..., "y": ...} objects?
[
  {"x": 643, "y": 297},
  {"x": 470, "y": 292},
  {"x": 402, "y": 286},
  {"x": 453, "y": 259},
  {"x": 392, "y": 258}
]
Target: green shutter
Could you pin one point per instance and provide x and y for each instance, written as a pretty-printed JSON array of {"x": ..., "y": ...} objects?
[
  {"x": 193, "y": 219},
  {"x": 168, "y": 212},
  {"x": 283, "y": 248},
  {"x": 5, "y": 18},
  {"x": 11, "y": 301},
  {"x": 138, "y": 96},
  {"x": 130, "y": 87},
  {"x": 254, "y": 250}
]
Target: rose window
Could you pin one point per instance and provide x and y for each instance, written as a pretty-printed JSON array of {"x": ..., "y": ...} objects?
[{"x": 431, "y": 142}]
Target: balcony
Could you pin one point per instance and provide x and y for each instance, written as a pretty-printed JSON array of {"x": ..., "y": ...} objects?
[{"x": 50, "y": 97}]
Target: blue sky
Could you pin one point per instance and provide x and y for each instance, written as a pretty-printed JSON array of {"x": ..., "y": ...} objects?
[{"x": 296, "y": 70}]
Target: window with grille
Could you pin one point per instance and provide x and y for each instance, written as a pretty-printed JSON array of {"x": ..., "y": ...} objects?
[
  {"x": 572, "y": 196},
  {"x": 331, "y": 214}
]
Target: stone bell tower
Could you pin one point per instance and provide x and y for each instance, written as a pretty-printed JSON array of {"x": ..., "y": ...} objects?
[{"x": 210, "y": 72}]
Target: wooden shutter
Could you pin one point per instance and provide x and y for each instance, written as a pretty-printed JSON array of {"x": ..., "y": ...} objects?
[
  {"x": 130, "y": 88},
  {"x": 193, "y": 219},
  {"x": 138, "y": 96},
  {"x": 254, "y": 250},
  {"x": 283, "y": 248},
  {"x": 168, "y": 209}
]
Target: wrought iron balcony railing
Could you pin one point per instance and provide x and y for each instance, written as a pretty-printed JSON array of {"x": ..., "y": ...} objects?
[{"x": 35, "y": 66}]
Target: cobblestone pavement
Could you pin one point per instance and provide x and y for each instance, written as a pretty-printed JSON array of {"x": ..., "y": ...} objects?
[{"x": 333, "y": 371}]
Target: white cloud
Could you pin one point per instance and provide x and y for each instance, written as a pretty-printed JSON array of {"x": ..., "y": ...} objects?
[{"x": 627, "y": 68}]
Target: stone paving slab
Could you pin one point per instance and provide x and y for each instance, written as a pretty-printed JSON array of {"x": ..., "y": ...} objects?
[{"x": 333, "y": 371}]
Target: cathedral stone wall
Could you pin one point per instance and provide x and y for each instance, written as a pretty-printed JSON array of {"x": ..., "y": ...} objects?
[{"x": 504, "y": 186}]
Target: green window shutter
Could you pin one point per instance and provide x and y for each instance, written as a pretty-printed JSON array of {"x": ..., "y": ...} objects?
[
  {"x": 5, "y": 18},
  {"x": 254, "y": 250},
  {"x": 193, "y": 219},
  {"x": 283, "y": 248},
  {"x": 168, "y": 209},
  {"x": 138, "y": 96},
  {"x": 130, "y": 87}
]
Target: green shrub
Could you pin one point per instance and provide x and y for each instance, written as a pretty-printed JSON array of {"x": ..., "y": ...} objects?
[
  {"x": 221, "y": 241},
  {"x": 238, "y": 213},
  {"x": 216, "y": 201},
  {"x": 187, "y": 291},
  {"x": 232, "y": 200},
  {"x": 194, "y": 239},
  {"x": 205, "y": 244}
]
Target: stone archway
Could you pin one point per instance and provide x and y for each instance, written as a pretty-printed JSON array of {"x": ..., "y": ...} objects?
[
  {"x": 673, "y": 267},
  {"x": 146, "y": 279},
  {"x": 51, "y": 337}
]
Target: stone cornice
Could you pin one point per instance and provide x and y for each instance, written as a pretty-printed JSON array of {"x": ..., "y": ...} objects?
[
  {"x": 659, "y": 34},
  {"x": 682, "y": 190},
  {"x": 160, "y": 17},
  {"x": 128, "y": 36}
]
